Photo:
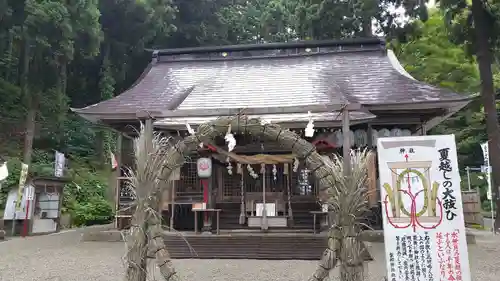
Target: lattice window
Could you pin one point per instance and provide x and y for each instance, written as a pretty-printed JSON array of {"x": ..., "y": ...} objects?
[
  {"x": 231, "y": 184},
  {"x": 251, "y": 184},
  {"x": 189, "y": 181},
  {"x": 278, "y": 185}
]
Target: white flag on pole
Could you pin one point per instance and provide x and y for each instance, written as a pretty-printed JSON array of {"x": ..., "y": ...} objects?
[
  {"x": 486, "y": 156},
  {"x": 59, "y": 164},
  {"x": 4, "y": 172}
]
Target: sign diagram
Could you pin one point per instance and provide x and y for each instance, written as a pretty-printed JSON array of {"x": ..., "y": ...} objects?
[{"x": 411, "y": 199}]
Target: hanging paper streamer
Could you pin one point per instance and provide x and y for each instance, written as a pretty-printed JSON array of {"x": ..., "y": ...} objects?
[
  {"x": 295, "y": 165},
  {"x": 275, "y": 172},
  {"x": 191, "y": 131},
  {"x": 230, "y": 140},
  {"x": 229, "y": 166},
  {"x": 251, "y": 172},
  {"x": 309, "y": 131}
]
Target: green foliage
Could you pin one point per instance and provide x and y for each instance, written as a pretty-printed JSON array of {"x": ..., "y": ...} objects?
[
  {"x": 429, "y": 56},
  {"x": 95, "y": 210},
  {"x": 85, "y": 198}
]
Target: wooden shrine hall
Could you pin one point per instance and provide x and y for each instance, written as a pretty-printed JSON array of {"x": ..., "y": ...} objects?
[{"x": 353, "y": 90}]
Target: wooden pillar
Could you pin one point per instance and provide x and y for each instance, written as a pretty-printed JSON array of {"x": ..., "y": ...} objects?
[
  {"x": 372, "y": 169},
  {"x": 288, "y": 170},
  {"x": 172, "y": 205},
  {"x": 423, "y": 131},
  {"x": 264, "y": 224},
  {"x": 346, "y": 146},
  {"x": 372, "y": 179},
  {"x": 369, "y": 137},
  {"x": 115, "y": 181},
  {"x": 243, "y": 211},
  {"x": 148, "y": 128}
]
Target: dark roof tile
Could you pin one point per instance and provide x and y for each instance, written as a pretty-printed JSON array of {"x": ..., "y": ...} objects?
[{"x": 365, "y": 77}]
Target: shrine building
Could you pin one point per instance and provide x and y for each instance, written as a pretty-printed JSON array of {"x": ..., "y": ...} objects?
[{"x": 354, "y": 90}]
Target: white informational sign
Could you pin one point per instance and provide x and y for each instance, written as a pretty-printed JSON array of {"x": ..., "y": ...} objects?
[
  {"x": 59, "y": 164},
  {"x": 422, "y": 209},
  {"x": 487, "y": 171},
  {"x": 204, "y": 167}
]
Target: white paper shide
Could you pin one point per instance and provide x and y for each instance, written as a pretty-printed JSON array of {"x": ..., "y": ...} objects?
[{"x": 422, "y": 209}]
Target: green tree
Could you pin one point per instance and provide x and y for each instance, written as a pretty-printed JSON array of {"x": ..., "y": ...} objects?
[
  {"x": 477, "y": 23},
  {"x": 429, "y": 55}
]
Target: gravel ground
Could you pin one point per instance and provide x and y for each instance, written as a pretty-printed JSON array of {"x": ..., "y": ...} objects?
[{"x": 62, "y": 257}]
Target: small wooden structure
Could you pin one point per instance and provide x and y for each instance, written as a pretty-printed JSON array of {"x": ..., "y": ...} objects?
[
  {"x": 44, "y": 212},
  {"x": 354, "y": 90},
  {"x": 471, "y": 201}
]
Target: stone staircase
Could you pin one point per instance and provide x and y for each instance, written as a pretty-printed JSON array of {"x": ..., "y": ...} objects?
[{"x": 246, "y": 246}]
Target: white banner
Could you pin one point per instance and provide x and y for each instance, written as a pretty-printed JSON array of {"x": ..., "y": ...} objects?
[
  {"x": 486, "y": 157},
  {"x": 29, "y": 192},
  {"x": 422, "y": 209},
  {"x": 22, "y": 181},
  {"x": 59, "y": 164},
  {"x": 4, "y": 172}
]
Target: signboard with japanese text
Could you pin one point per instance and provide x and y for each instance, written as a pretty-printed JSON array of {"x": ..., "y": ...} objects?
[
  {"x": 422, "y": 209},
  {"x": 204, "y": 167}
]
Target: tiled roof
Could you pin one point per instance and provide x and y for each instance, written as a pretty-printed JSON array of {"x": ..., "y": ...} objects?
[
  {"x": 364, "y": 76},
  {"x": 272, "y": 118}
]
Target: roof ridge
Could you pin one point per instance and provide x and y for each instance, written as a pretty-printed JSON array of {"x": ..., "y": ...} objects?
[
  {"x": 270, "y": 46},
  {"x": 190, "y": 58}
]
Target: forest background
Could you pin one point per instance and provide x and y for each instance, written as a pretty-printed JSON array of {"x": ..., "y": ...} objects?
[{"x": 57, "y": 54}]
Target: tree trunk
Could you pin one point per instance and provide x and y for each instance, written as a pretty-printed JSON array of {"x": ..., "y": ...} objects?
[
  {"x": 106, "y": 88},
  {"x": 30, "y": 102},
  {"x": 10, "y": 48},
  {"x": 62, "y": 102},
  {"x": 367, "y": 27},
  {"x": 484, "y": 58}
]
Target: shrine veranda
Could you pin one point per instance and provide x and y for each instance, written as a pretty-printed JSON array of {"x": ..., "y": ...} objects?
[{"x": 354, "y": 91}]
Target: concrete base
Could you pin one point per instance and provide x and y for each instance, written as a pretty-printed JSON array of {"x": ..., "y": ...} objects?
[
  {"x": 103, "y": 236},
  {"x": 2, "y": 232},
  {"x": 110, "y": 235}
]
